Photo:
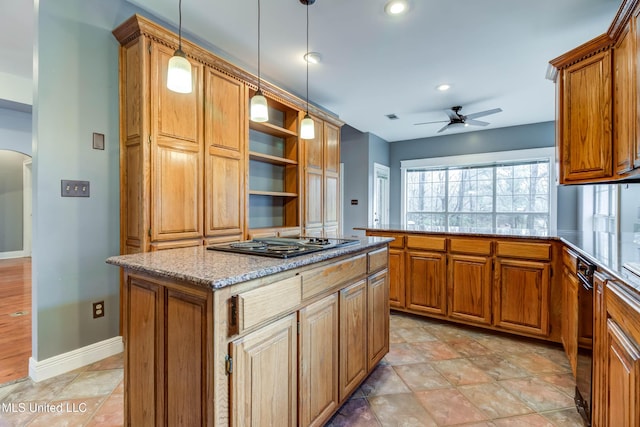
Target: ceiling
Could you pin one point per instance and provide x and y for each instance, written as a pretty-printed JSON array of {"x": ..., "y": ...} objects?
[{"x": 494, "y": 53}]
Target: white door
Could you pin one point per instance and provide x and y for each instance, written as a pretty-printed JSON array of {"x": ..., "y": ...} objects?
[{"x": 380, "y": 195}]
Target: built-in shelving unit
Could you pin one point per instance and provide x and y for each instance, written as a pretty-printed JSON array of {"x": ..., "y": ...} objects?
[{"x": 274, "y": 184}]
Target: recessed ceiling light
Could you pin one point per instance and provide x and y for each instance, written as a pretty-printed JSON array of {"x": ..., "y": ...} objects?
[
  {"x": 312, "y": 57},
  {"x": 396, "y": 7},
  {"x": 443, "y": 87}
]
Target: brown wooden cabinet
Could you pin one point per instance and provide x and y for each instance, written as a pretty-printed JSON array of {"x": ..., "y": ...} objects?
[
  {"x": 396, "y": 278},
  {"x": 225, "y": 146},
  {"x": 585, "y": 120},
  {"x": 521, "y": 297},
  {"x": 264, "y": 380},
  {"x": 319, "y": 361},
  {"x": 322, "y": 180},
  {"x": 618, "y": 363},
  {"x": 598, "y": 398},
  {"x": 171, "y": 331},
  {"x": 625, "y": 100},
  {"x": 353, "y": 337},
  {"x": 469, "y": 288},
  {"x": 570, "y": 286},
  {"x": 377, "y": 317},
  {"x": 427, "y": 282}
]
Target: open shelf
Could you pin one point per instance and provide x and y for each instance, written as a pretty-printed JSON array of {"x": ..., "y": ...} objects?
[
  {"x": 274, "y": 160},
  {"x": 272, "y": 193},
  {"x": 274, "y": 130}
]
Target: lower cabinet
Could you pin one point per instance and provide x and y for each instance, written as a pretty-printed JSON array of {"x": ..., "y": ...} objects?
[
  {"x": 469, "y": 288},
  {"x": 264, "y": 380},
  {"x": 569, "y": 336},
  {"x": 318, "y": 342},
  {"x": 353, "y": 337},
  {"x": 617, "y": 359},
  {"x": 167, "y": 342},
  {"x": 427, "y": 282},
  {"x": 396, "y": 278},
  {"x": 377, "y": 317},
  {"x": 521, "y": 296}
]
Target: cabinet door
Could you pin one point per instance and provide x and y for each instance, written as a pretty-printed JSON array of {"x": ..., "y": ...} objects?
[
  {"x": 624, "y": 93},
  {"x": 469, "y": 288},
  {"x": 319, "y": 361},
  {"x": 377, "y": 317},
  {"x": 353, "y": 337},
  {"x": 396, "y": 278},
  {"x": 569, "y": 333},
  {"x": 586, "y": 145},
  {"x": 331, "y": 148},
  {"x": 598, "y": 401},
  {"x": 313, "y": 193},
  {"x": 264, "y": 378},
  {"x": 521, "y": 300},
  {"x": 427, "y": 282},
  {"x": 622, "y": 378},
  {"x": 225, "y": 141},
  {"x": 176, "y": 153}
]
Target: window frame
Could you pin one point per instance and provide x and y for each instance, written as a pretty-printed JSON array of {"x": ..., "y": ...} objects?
[{"x": 488, "y": 159}]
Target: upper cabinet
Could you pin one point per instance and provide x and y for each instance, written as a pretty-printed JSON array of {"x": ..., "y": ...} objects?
[
  {"x": 195, "y": 170},
  {"x": 597, "y": 114}
]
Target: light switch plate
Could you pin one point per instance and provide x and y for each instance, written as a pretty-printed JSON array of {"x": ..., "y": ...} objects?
[
  {"x": 98, "y": 141},
  {"x": 74, "y": 188}
]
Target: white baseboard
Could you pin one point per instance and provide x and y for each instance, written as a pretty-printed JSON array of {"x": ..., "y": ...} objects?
[
  {"x": 56, "y": 365},
  {"x": 14, "y": 254}
]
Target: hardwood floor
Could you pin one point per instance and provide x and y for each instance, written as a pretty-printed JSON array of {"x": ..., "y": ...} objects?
[{"x": 15, "y": 318}]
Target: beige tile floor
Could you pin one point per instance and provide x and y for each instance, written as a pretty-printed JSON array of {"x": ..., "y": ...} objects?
[{"x": 436, "y": 374}]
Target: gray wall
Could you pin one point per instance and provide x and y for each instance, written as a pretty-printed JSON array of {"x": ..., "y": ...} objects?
[
  {"x": 11, "y": 201},
  {"x": 354, "y": 153},
  {"x": 503, "y": 139},
  {"x": 15, "y": 131},
  {"x": 76, "y": 94}
]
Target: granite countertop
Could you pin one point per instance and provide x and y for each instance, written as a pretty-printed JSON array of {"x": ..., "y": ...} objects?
[
  {"x": 614, "y": 253},
  {"x": 215, "y": 269}
]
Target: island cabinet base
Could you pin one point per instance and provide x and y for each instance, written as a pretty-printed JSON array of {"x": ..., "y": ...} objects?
[{"x": 287, "y": 349}]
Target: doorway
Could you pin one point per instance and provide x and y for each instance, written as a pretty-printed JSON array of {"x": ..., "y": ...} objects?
[
  {"x": 380, "y": 213},
  {"x": 15, "y": 265}
]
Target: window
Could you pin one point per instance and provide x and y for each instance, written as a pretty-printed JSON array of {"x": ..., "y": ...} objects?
[
  {"x": 600, "y": 215},
  {"x": 498, "y": 192}
]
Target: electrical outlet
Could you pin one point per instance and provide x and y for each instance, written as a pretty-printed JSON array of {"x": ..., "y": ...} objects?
[
  {"x": 98, "y": 309},
  {"x": 74, "y": 188}
]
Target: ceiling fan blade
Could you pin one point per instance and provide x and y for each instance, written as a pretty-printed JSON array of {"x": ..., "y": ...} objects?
[
  {"x": 452, "y": 115},
  {"x": 443, "y": 128},
  {"x": 483, "y": 113},
  {"x": 428, "y": 123},
  {"x": 475, "y": 122}
]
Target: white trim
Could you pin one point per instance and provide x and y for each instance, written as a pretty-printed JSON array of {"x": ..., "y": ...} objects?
[
  {"x": 489, "y": 158},
  {"x": 27, "y": 206},
  {"x": 62, "y": 363},
  {"x": 341, "y": 201},
  {"x": 13, "y": 254}
]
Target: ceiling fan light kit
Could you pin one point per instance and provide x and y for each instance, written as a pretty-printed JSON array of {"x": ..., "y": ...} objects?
[{"x": 179, "y": 68}]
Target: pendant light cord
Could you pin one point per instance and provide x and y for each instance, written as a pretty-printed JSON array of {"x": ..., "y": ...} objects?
[
  {"x": 258, "y": 45},
  {"x": 307, "y": 59},
  {"x": 180, "y": 25}
]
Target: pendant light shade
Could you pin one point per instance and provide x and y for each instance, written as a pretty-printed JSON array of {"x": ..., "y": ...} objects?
[
  {"x": 259, "y": 110},
  {"x": 307, "y": 128},
  {"x": 179, "y": 74}
]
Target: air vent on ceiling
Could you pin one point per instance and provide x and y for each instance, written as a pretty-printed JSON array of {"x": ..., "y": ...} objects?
[{"x": 392, "y": 117}]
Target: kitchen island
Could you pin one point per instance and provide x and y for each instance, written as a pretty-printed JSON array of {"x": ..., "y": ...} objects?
[{"x": 214, "y": 338}]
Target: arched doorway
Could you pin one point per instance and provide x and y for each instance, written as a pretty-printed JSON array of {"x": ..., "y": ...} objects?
[{"x": 15, "y": 265}]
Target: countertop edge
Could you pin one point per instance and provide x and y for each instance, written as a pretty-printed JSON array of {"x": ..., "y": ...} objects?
[{"x": 124, "y": 261}]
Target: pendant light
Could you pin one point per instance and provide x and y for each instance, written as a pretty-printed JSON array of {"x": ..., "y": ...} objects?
[
  {"x": 307, "y": 127},
  {"x": 179, "y": 73},
  {"x": 259, "y": 110}
]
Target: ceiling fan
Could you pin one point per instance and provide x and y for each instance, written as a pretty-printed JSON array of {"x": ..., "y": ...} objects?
[{"x": 457, "y": 119}]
